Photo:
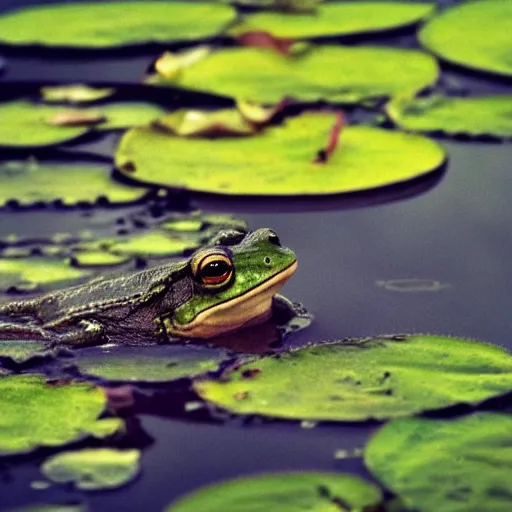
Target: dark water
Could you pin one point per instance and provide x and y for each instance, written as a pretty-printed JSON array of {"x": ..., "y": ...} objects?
[{"x": 455, "y": 230}]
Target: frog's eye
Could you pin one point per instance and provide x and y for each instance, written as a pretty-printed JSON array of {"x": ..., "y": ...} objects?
[{"x": 214, "y": 270}]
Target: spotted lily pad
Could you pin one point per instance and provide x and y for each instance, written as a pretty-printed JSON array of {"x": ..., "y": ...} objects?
[
  {"x": 35, "y": 413},
  {"x": 108, "y": 24},
  {"x": 279, "y": 161},
  {"x": 74, "y": 93},
  {"x": 93, "y": 469},
  {"x": 31, "y": 181},
  {"x": 284, "y": 492},
  {"x": 455, "y": 465},
  {"x": 375, "y": 378},
  {"x": 21, "y": 351},
  {"x": 486, "y": 115},
  {"x": 473, "y": 34},
  {"x": 337, "y": 18}
]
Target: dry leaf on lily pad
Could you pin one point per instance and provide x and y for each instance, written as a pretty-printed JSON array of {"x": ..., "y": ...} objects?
[
  {"x": 110, "y": 24},
  {"x": 31, "y": 181},
  {"x": 35, "y": 413},
  {"x": 284, "y": 492},
  {"x": 477, "y": 116},
  {"x": 74, "y": 93},
  {"x": 473, "y": 34},
  {"x": 355, "y": 73},
  {"x": 336, "y": 18},
  {"x": 450, "y": 465},
  {"x": 377, "y": 378},
  {"x": 280, "y": 160}
]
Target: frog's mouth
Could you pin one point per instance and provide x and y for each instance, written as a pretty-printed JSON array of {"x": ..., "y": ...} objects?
[{"x": 253, "y": 307}]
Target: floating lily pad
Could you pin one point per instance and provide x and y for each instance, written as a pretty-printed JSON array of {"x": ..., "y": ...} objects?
[
  {"x": 74, "y": 93},
  {"x": 94, "y": 258},
  {"x": 35, "y": 413},
  {"x": 374, "y": 378},
  {"x": 473, "y": 34},
  {"x": 412, "y": 285},
  {"x": 150, "y": 364},
  {"x": 337, "y": 18},
  {"x": 289, "y": 6},
  {"x": 30, "y": 181},
  {"x": 93, "y": 469},
  {"x": 487, "y": 115},
  {"x": 284, "y": 492},
  {"x": 108, "y": 24},
  {"x": 125, "y": 115},
  {"x": 355, "y": 73},
  {"x": 455, "y": 465},
  {"x": 279, "y": 161},
  {"x": 21, "y": 351}
]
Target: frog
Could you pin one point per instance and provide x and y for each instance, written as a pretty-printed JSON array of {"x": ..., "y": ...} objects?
[{"x": 226, "y": 285}]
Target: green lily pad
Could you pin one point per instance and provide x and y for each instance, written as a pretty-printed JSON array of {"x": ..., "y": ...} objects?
[
  {"x": 289, "y": 6},
  {"x": 30, "y": 181},
  {"x": 279, "y": 161},
  {"x": 74, "y": 93},
  {"x": 37, "y": 414},
  {"x": 337, "y": 18},
  {"x": 20, "y": 351},
  {"x": 284, "y": 492},
  {"x": 93, "y": 469},
  {"x": 126, "y": 115},
  {"x": 473, "y": 34},
  {"x": 150, "y": 364},
  {"x": 456, "y": 465},
  {"x": 369, "y": 379},
  {"x": 355, "y": 73},
  {"x": 108, "y": 24},
  {"x": 94, "y": 258}
]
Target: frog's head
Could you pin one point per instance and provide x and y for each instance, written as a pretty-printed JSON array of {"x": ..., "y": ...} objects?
[{"x": 235, "y": 278}]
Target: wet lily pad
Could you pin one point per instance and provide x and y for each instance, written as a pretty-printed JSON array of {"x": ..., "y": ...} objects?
[
  {"x": 22, "y": 351},
  {"x": 369, "y": 379},
  {"x": 284, "y": 492},
  {"x": 473, "y": 34},
  {"x": 93, "y": 258},
  {"x": 337, "y": 18},
  {"x": 453, "y": 465},
  {"x": 486, "y": 115},
  {"x": 279, "y": 161},
  {"x": 412, "y": 285},
  {"x": 35, "y": 413},
  {"x": 74, "y": 93},
  {"x": 108, "y": 24},
  {"x": 93, "y": 469},
  {"x": 151, "y": 363},
  {"x": 125, "y": 115},
  {"x": 30, "y": 181}
]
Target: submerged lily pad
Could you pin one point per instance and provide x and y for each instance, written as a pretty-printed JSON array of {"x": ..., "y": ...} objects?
[
  {"x": 35, "y": 413},
  {"x": 31, "y": 181},
  {"x": 473, "y": 34},
  {"x": 93, "y": 469},
  {"x": 107, "y": 24},
  {"x": 486, "y": 115},
  {"x": 279, "y": 161},
  {"x": 21, "y": 351},
  {"x": 337, "y": 18},
  {"x": 74, "y": 93},
  {"x": 355, "y": 73},
  {"x": 455, "y": 465},
  {"x": 283, "y": 492},
  {"x": 371, "y": 379}
]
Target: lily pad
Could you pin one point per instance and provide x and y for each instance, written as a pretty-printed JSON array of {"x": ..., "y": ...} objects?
[
  {"x": 355, "y": 73},
  {"x": 125, "y": 115},
  {"x": 337, "y": 18},
  {"x": 93, "y": 258},
  {"x": 30, "y": 181},
  {"x": 21, "y": 351},
  {"x": 456, "y": 465},
  {"x": 473, "y": 34},
  {"x": 284, "y": 492},
  {"x": 110, "y": 24},
  {"x": 486, "y": 115},
  {"x": 93, "y": 469},
  {"x": 279, "y": 161},
  {"x": 376, "y": 378},
  {"x": 150, "y": 364},
  {"x": 35, "y": 413},
  {"x": 74, "y": 93}
]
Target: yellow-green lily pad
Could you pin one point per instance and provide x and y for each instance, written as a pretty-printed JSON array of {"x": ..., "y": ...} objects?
[
  {"x": 20, "y": 351},
  {"x": 74, "y": 93},
  {"x": 93, "y": 469},
  {"x": 355, "y": 73},
  {"x": 98, "y": 258},
  {"x": 284, "y": 492},
  {"x": 455, "y": 465},
  {"x": 110, "y": 24},
  {"x": 36, "y": 414},
  {"x": 376, "y": 378},
  {"x": 279, "y": 161},
  {"x": 485, "y": 115},
  {"x": 337, "y": 18},
  {"x": 473, "y": 34}
]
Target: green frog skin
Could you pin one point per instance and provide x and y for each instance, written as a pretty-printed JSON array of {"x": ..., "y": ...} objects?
[{"x": 222, "y": 287}]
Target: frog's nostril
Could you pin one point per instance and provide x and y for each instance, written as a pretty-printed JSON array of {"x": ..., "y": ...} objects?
[{"x": 273, "y": 238}]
